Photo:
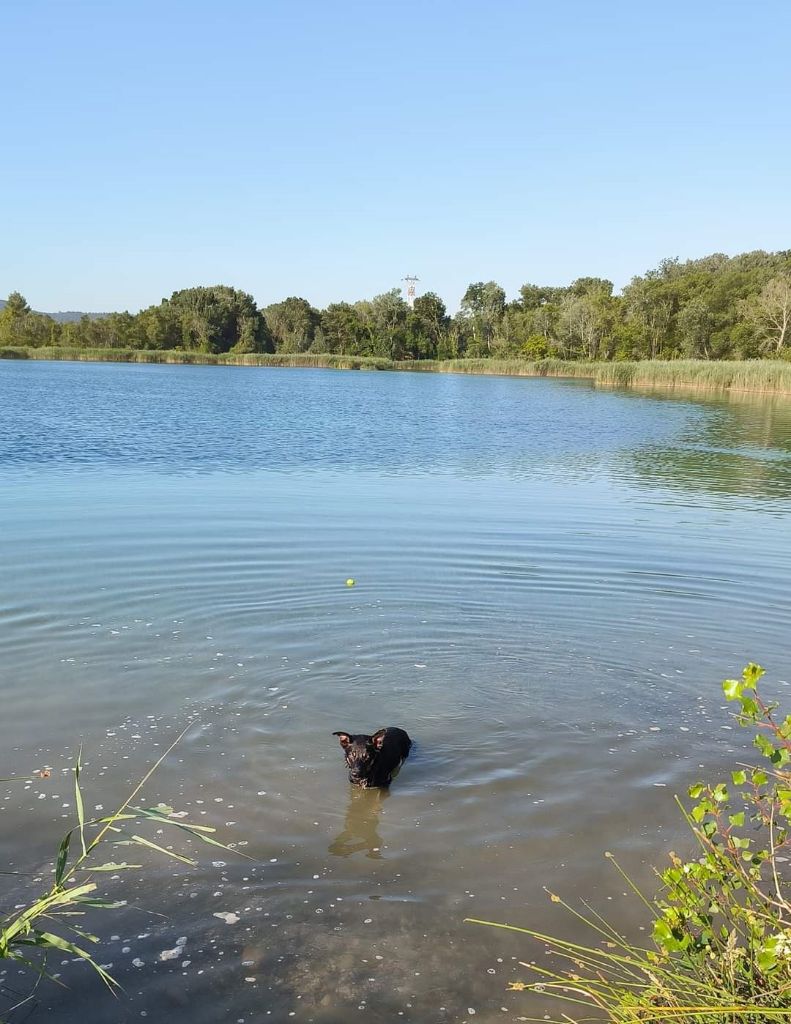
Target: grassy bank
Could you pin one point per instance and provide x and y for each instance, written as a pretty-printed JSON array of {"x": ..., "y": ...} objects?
[
  {"x": 744, "y": 375},
  {"x": 128, "y": 355},
  {"x": 760, "y": 375}
]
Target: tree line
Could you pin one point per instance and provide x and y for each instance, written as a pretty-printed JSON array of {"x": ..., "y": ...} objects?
[{"x": 718, "y": 307}]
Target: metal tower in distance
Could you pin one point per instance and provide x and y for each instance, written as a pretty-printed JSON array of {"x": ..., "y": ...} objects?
[{"x": 410, "y": 289}]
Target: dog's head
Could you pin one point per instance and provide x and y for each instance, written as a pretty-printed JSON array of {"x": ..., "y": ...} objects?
[{"x": 361, "y": 753}]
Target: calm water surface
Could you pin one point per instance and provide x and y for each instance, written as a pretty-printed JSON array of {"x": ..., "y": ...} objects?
[{"x": 551, "y": 582}]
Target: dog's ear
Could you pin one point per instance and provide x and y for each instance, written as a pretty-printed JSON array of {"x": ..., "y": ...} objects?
[
  {"x": 378, "y": 739},
  {"x": 344, "y": 738}
]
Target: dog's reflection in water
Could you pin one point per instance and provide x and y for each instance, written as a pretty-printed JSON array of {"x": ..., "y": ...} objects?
[{"x": 361, "y": 828}]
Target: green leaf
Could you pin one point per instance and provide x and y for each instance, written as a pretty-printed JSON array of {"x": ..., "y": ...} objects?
[
  {"x": 196, "y": 831},
  {"x": 49, "y": 939},
  {"x": 662, "y": 931},
  {"x": 112, "y": 866},
  {"x": 751, "y": 674},
  {"x": 750, "y": 710},
  {"x": 665, "y": 937},
  {"x": 161, "y": 849},
  {"x": 163, "y": 809},
  {"x": 732, "y": 688},
  {"x": 104, "y": 904},
  {"x": 175, "y": 823},
  {"x": 22, "y": 923},
  {"x": 84, "y": 935},
  {"x": 78, "y": 800},
  {"x": 739, "y": 777},
  {"x": 737, "y": 819},
  {"x": 63, "y": 856}
]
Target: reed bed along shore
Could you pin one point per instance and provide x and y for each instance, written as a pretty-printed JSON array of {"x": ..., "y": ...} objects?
[
  {"x": 128, "y": 355},
  {"x": 737, "y": 375},
  {"x": 758, "y": 375}
]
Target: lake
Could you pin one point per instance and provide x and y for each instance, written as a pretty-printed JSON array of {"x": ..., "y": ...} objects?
[{"x": 551, "y": 582}]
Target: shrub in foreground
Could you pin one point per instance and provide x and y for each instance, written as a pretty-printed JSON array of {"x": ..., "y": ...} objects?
[{"x": 722, "y": 918}]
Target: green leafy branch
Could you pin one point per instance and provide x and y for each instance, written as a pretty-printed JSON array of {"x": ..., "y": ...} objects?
[{"x": 722, "y": 919}]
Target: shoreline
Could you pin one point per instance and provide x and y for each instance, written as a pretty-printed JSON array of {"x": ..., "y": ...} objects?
[{"x": 767, "y": 377}]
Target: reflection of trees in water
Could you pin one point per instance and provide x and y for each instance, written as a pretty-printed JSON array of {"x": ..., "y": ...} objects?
[
  {"x": 711, "y": 472},
  {"x": 361, "y": 825},
  {"x": 743, "y": 448}
]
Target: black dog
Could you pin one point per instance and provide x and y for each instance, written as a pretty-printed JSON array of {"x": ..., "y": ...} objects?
[{"x": 374, "y": 760}]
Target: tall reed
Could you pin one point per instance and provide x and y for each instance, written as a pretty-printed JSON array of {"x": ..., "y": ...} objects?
[
  {"x": 45, "y": 923},
  {"x": 747, "y": 375},
  {"x": 128, "y": 355},
  {"x": 760, "y": 375}
]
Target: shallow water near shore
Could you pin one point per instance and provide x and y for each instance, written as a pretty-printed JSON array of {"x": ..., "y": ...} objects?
[{"x": 551, "y": 581}]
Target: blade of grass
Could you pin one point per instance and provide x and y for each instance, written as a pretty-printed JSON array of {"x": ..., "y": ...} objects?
[
  {"x": 109, "y": 822},
  {"x": 197, "y": 831},
  {"x": 78, "y": 800},
  {"x": 112, "y": 866},
  {"x": 22, "y": 921},
  {"x": 63, "y": 856},
  {"x": 142, "y": 841},
  {"x": 50, "y": 940}
]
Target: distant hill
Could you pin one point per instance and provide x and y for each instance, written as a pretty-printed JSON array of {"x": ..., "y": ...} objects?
[
  {"x": 69, "y": 317},
  {"x": 72, "y": 316}
]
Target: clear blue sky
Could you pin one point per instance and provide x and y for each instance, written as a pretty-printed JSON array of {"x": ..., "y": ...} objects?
[{"x": 326, "y": 148}]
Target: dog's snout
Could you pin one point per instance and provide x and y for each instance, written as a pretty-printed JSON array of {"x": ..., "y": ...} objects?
[{"x": 359, "y": 762}]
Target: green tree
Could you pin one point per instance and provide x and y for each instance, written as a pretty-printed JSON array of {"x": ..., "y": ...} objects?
[
  {"x": 292, "y": 324},
  {"x": 595, "y": 286},
  {"x": 19, "y": 325},
  {"x": 159, "y": 328},
  {"x": 484, "y": 306},
  {"x": 430, "y": 324},
  {"x": 16, "y": 306},
  {"x": 389, "y": 315},
  {"x": 585, "y": 321},
  {"x": 342, "y": 329},
  {"x": 216, "y": 319},
  {"x": 651, "y": 308},
  {"x": 695, "y": 327},
  {"x": 769, "y": 313},
  {"x": 534, "y": 296}
]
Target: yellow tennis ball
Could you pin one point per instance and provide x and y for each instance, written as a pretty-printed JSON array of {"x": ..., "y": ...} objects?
[{"x": 350, "y": 582}]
